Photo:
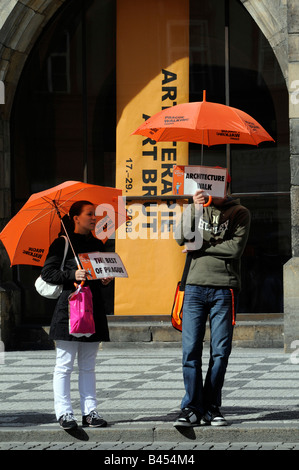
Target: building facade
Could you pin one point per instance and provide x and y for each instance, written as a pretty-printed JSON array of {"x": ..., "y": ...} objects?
[{"x": 75, "y": 72}]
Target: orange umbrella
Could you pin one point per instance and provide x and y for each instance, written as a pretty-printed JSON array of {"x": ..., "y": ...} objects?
[
  {"x": 30, "y": 232},
  {"x": 204, "y": 123}
]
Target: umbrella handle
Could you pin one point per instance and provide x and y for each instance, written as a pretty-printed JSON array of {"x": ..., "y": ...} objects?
[
  {"x": 77, "y": 285},
  {"x": 208, "y": 202}
]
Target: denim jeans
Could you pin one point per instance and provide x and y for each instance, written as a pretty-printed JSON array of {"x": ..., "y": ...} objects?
[{"x": 199, "y": 302}]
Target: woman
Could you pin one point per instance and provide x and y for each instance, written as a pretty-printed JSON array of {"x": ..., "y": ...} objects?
[{"x": 82, "y": 217}]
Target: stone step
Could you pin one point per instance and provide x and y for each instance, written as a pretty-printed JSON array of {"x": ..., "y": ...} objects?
[
  {"x": 256, "y": 330},
  {"x": 251, "y": 331}
]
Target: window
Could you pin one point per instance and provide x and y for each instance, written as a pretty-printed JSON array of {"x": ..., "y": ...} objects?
[{"x": 59, "y": 67}]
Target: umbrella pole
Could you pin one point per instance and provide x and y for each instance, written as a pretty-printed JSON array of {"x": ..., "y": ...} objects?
[
  {"x": 76, "y": 257},
  {"x": 201, "y": 158}
]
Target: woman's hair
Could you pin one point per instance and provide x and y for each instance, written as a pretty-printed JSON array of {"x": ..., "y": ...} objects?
[
  {"x": 77, "y": 208},
  {"x": 68, "y": 219}
]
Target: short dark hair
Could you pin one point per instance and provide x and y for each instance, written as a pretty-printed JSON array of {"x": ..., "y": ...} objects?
[{"x": 77, "y": 208}]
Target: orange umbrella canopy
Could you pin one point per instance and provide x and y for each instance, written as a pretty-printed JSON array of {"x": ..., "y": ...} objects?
[
  {"x": 204, "y": 122},
  {"x": 28, "y": 235}
]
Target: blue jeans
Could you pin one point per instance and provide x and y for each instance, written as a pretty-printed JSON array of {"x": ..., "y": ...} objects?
[{"x": 199, "y": 302}]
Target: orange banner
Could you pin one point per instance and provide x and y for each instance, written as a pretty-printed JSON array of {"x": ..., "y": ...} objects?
[{"x": 152, "y": 74}]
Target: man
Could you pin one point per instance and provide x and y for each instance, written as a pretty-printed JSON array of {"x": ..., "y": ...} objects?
[{"x": 212, "y": 288}]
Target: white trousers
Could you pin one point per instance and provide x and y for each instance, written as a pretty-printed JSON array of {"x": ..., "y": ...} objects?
[{"x": 66, "y": 352}]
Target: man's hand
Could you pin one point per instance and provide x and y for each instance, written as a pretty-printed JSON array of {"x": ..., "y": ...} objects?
[{"x": 198, "y": 197}]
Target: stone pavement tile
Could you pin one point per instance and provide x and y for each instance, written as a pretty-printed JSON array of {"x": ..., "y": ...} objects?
[
  {"x": 85, "y": 445},
  {"x": 251, "y": 446},
  {"x": 220, "y": 446},
  {"x": 160, "y": 446},
  {"x": 22, "y": 446},
  {"x": 268, "y": 445},
  {"x": 287, "y": 446},
  {"x": 9, "y": 445},
  {"x": 57, "y": 445},
  {"x": 203, "y": 446},
  {"x": 119, "y": 445},
  {"x": 238, "y": 446},
  {"x": 136, "y": 445},
  {"x": 181, "y": 446}
]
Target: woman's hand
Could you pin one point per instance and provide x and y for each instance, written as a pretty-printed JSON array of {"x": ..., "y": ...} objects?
[{"x": 81, "y": 275}]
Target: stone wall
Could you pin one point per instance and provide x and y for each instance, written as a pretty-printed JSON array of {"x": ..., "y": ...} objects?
[
  {"x": 21, "y": 23},
  {"x": 279, "y": 21},
  {"x": 291, "y": 269}
]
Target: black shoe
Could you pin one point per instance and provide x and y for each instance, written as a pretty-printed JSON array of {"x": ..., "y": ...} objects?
[
  {"x": 67, "y": 421},
  {"x": 214, "y": 417},
  {"x": 93, "y": 420},
  {"x": 188, "y": 418}
]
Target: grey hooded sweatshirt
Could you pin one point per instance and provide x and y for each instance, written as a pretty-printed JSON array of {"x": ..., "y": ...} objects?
[{"x": 217, "y": 254}]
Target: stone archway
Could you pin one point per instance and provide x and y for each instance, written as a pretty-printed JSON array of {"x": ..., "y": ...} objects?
[
  {"x": 20, "y": 27},
  {"x": 271, "y": 16}
]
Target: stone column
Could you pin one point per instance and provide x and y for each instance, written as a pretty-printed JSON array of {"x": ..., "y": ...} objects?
[
  {"x": 291, "y": 304},
  {"x": 291, "y": 268}
]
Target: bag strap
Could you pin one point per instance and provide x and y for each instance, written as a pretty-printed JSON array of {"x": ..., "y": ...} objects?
[
  {"x": 186, "y": 270},
  {"x": 66, "y": 247}
]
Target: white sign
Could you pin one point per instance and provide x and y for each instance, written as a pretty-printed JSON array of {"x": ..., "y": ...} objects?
[
  {"x": 102, "y": 264},
  {"x": 187, "y": 179}
]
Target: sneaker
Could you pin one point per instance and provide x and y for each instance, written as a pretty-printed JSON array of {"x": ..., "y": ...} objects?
[
  {"x": 187, "y": 418},
  {"x": 67, "y": 421},
  {"x": 214, "y": 417},
  {"x": 93, "y": 420}
]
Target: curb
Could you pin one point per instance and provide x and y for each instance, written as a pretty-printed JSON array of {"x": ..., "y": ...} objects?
[{"x": 159, "y": 433}]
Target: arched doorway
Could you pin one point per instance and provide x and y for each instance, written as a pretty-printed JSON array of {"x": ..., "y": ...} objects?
[{"x": 63, "y": 126}]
